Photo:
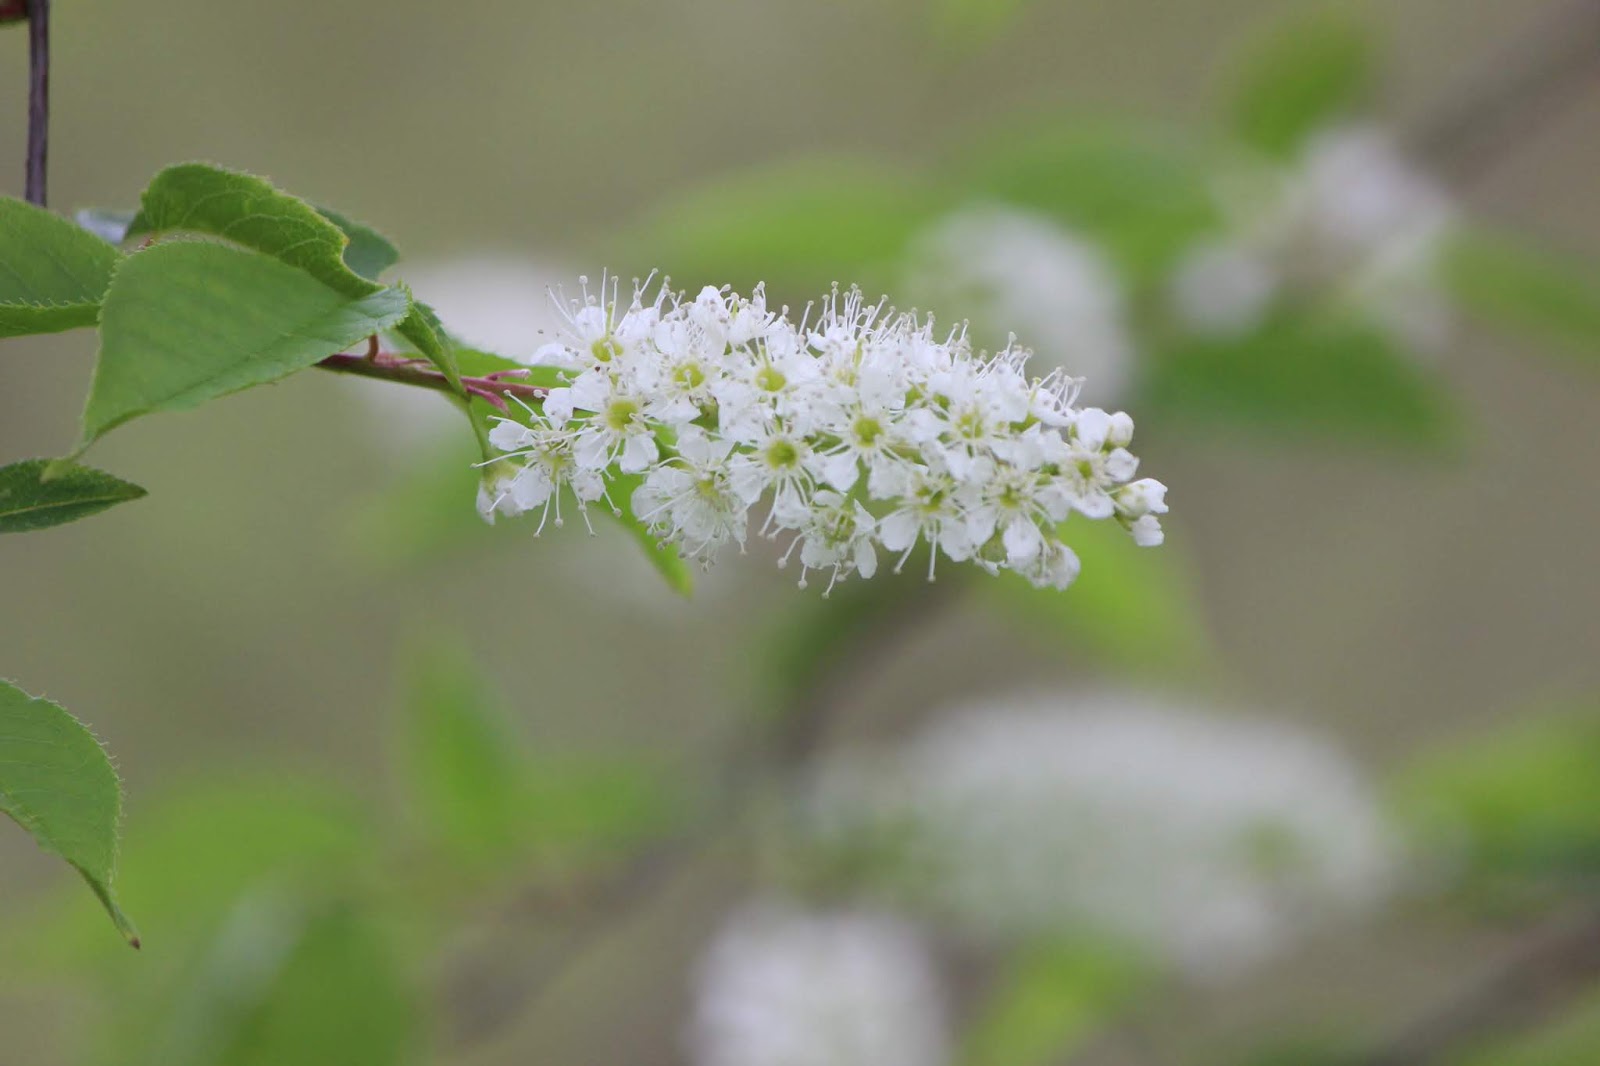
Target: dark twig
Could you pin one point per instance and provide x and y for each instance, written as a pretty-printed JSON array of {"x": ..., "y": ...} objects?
[{"x": 38, "y": 98}]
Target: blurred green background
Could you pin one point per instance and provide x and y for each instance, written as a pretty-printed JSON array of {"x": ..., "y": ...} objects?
[{"x": 247, "y": 641}]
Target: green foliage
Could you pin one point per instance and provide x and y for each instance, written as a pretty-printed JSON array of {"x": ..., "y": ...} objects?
[
  {"x": 1523, "y": 801},
  {"x": 1518, "y": 284},
  {"x": 1132, "y": 607},
  {"x": 799, "y": 226},
  {"x": 369, "y": 252},
  {"x": 1304, "y": 373},
  {"x": 1144, "y": 199},
  {"x": 186, "y": 322},
  {"x": 29, "y": 500},
  {"x": 52, "y": 272},
  {"x": 672, "y": 567},
  {"x": 56, "y": 782},
  {"x": 1306, "y": 72},
  {"x": 1048, "y": 1000},
  {"x": 292, "y": 982},
  {"x": 488, "y": 799},
  {"x": 251, "y": 211}
]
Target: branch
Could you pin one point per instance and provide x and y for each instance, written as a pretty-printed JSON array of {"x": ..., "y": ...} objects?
[
  {"x": 38, "y": 97},
  {"x": 409, "y": 370}
]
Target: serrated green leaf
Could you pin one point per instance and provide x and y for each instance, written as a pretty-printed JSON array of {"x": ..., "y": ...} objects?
[
  {"x": 1523, "y": 800},
  {"x": 422, "y": 330},
  {"x": 290, "y": 981},
  {"x": 1303, "y": 74},
  {"x": 799, "y": 227},
  {"x": 1143, "y": 199},
  {"x": 1515, "y": 283},
  {"x": 186, "y": 322},
  {"x": 56, "y": 782},
  {"x": 52, "y": 273},
  {"x": 1048, "y": 1000},
  {"x": 249, "y": 211},
  {"x": 1304, "y": 374},
  {"x": 1130, "y": 606},
  {"x": 369, "y": 252},
  {"x": 29, "y": 501}
]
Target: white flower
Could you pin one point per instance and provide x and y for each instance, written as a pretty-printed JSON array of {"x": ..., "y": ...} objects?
[
  {"x": 866, "y": 428},
  {"x": 783, "y": 987},
  {"x": 1351, "y": 222},
  {"x": 1021, "y": 271},
  {"x": 1208, "y": 840}
]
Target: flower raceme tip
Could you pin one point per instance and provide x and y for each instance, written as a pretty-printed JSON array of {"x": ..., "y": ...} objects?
[{"x": 865, "y": 429}]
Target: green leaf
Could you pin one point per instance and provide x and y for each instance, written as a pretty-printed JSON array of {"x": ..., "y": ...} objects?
[
  {"x": 1515, "y": 283},
  {"x": 798, "y": 226},
  {"x": 672, "y": 567},
  {"x": 1144, "y": 199},
  {"x": 1522, "y": 801},
  {"x": 186, "y": 322},
  {"x": 251, "y": 211},
  {"x": 287, "y": 981},
  {"x": 1132, "y": 607},
  {"x": 1304, "y": 374},
  {"x": 52, "y": 273},
  {"x": 1303, "y": 74},
  {"x": 1048, "y": 1001},
  {"x": 56, "y": 782},
  {"x": 29, "y": 501},
  {"x": 463, "y": 761},
  {"x": 487, "y": 797},
  {"x": 423, "y": 331},
  {"x": 369, "y": 252}
]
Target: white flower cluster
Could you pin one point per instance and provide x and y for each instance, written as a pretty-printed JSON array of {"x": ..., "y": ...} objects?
[
  {"x": 1210, "y": 841},
  {"x": 1353, "y": 220},
  {"x": 781, "y": 986},
  {"x": 865, "y": 428}
]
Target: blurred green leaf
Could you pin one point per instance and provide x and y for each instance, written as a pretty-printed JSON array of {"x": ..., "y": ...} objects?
[
  {"x": 53, "y": 274},
  {"x": 1515, "y": 283},
  {"x": 974, "y": 23},
  {"x": 187, "y": 322},
  {"x": 28, "y": 501},
  {"x": 1142, "y": 198},
  {"x": 798, "y": 226},
  {"x": 1521, "y": 801},
  {"x": 1049, "y": 999},
  {"x": 369, "y": 252},
  {"x": 1306, "y": 72},
  {"x": 1133, "y": 607},
  {"x": 464, "y": 764},
  {"x": 56, "y": 782},
  {"x": 487, "y": 797},
  {"x": 1304, "y": 373},
  {"x": 291, "y": 982}
]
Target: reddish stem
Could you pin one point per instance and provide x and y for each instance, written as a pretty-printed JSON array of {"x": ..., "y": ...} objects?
[{"x": 408, "y": 370}]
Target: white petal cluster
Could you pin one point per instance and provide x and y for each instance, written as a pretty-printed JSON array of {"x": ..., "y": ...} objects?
[
  {"x": 1208, "y": 840},
  {"x": 863, "y": 428},
  {"x": 1352, "y": 220},
  {"x": 1008, "y": 269},
  {"x": 781, "y": 986}
]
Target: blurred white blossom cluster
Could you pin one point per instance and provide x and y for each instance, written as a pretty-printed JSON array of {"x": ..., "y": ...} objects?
[
  {"x": 783, "y": 986},
  {"x": 1351, "y": 220},
  {"x": 1207, "y": 840},
  {"x": 864, "y": 427},
  {"x": 1021, "y": 270}
]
